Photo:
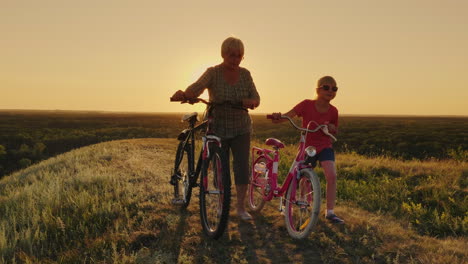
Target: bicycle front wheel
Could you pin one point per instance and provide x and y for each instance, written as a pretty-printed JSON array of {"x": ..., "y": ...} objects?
[
  {"x": 182, "y": 184},
  {"x": 215, "y": 193},
  {"x": 302, "y": 204}
]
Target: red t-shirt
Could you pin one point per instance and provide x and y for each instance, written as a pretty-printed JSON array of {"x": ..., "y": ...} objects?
[{"x": 306, "y": 109}]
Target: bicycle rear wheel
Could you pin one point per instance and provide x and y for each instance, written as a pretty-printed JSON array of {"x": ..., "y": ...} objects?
[
  {"x": 215, "y": 193},
  {"x": 302, "y": 204},
  {"x": 258, "y": 184},
  {"x": 181, "y": 175}
]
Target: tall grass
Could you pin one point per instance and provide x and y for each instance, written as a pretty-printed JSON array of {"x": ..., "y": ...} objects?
[
  {"x": 79, "y": 204},
  {"x": 110, "y": 203},
  {"x": 430, "y": 195}
]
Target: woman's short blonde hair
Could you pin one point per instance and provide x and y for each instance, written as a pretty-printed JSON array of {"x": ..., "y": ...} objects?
[
  {"x": 232, "y": 43},
  {"x": 325, "y": 79}
]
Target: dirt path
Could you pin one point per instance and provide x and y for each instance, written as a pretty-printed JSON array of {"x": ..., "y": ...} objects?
[
  {"x": 167, "y": 234},
  {"x": 263, "y": 240},
  {"x": 110, "y": 203}
]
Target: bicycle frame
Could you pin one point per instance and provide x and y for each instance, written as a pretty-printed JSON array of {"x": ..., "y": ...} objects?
[
  {"x": 272, "y": 168},
  {"x": 211, "y": 167},
  {"x": 188, "y": 137},
  {"x": 300, "y": 189}
]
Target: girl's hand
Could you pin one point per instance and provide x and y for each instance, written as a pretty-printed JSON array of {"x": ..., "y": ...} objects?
[
  {"x": 331, "y": 128},
  {"x": 276, "y": 118}
]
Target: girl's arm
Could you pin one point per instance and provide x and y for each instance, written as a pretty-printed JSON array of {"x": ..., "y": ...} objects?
[
  {"x": 333, "y": 125},
  {"x": 277, "y": 116}
]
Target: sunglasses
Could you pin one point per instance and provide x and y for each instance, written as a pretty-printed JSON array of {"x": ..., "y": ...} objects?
[{"x": 327, "y": 88}]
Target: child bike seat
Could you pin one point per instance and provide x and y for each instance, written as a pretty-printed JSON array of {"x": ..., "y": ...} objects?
[{"x": 274, "y": 142}]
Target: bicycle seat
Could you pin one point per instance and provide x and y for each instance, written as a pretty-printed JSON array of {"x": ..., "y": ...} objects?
[
  {"x": 274, "y": 142},
  {"x": 188, "y": 116}
]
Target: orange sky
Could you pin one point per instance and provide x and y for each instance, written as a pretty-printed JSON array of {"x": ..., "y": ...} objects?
[{"x": 393, "y": 57}]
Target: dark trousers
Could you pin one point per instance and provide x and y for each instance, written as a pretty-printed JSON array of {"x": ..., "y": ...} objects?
[{"x": 240, "y": 148}]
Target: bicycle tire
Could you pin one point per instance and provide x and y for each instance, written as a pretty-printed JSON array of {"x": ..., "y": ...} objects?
[
  {"x": 257, "y": 188},
  {"x": 215, "y": 193},
  {"x": 183, "y": 186},
  {"x": 302, "y": 205}
]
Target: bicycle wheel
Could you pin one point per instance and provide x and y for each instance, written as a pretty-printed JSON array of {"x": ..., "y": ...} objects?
[
  {"x": 181, "y": 177},
  {"x": 258, "y": 185},
  {"x": 215, "y": 193},
  {"x": 302, "y": 204}
]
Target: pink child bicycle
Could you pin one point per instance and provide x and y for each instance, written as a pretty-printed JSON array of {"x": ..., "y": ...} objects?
[{"x": 300, "y": 194}]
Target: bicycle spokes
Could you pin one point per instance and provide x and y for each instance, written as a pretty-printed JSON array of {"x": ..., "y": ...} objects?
[
  {"x": 214, "y": 195},
  {"x": 181, "y": 177},
  {"x": 258, "y": 187},
  {"x": 302, "y": 205}
]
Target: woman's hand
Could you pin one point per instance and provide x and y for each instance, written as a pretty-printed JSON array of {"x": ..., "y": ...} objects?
[
  {"x": 250, "y": 103},
  {"x": 178, "y": 96}
]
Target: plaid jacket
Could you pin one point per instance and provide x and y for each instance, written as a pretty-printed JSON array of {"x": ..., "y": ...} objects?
[{"x": 228, "y": 122}]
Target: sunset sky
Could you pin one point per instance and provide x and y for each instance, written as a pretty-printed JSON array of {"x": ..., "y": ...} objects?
[{"x": 400, "y": 57}]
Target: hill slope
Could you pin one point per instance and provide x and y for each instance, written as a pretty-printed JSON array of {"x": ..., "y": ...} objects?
[{"x": 110, "y": 203}]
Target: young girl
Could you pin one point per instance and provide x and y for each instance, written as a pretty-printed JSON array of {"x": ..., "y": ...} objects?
[{"x": 321, "y": 111}]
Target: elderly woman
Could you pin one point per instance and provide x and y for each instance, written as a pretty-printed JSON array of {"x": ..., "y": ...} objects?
[{"x": 228, "y": 85}]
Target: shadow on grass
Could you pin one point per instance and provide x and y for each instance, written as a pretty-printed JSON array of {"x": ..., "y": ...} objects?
[
  {"x": 354, "y": 243},
  {"x": 266, "y": 240}
]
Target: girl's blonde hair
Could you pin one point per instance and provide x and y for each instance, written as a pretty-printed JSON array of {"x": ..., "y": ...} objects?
[
  {"x": 325, "y": 79},
  {"x": 232, "y": 43}
]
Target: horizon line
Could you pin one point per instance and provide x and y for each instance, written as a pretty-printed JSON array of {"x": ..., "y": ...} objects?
[{"x": 175, "y": 112}]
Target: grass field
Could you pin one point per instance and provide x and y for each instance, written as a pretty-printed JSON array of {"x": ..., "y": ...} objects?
[
  {"x": 27, "y": 137},
  {"x": 110, "y": 203}
]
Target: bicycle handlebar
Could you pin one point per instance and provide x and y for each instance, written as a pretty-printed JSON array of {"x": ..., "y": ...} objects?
[
  {"x": 324, "y": 128},
  {"x": 191, "y": 101},
  {"x": 198, "y": 100}
]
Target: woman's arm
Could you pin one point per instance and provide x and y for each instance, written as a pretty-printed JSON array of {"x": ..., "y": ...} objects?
[
  {"x": 253, "y": 101},
  {"x": 195, "y": 89}
]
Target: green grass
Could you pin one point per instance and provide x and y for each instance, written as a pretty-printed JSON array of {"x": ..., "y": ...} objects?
[
  {"x": 430, "y": 195},
  {"x": 110, "y": 203}
]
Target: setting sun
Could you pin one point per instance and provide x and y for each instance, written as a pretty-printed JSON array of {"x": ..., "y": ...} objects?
[{"x": 391, "y": 58}]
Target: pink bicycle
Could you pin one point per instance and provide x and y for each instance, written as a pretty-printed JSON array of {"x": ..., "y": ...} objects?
[{"x": 300, "y": 194}]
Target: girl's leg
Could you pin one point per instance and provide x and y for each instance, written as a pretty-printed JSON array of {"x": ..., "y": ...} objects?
[{"x": 329, "y": 169}]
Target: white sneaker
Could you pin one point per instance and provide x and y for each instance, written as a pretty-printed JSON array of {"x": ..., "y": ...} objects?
[{"x": 244, "y": 216}]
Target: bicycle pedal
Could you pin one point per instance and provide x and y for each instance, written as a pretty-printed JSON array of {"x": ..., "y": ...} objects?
[
  {"x": 177, "y": 201},
  {"x": 173, "y": 180}
]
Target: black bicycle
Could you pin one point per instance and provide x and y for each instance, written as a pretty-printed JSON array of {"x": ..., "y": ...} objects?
[{"x": 215, "y": 181}]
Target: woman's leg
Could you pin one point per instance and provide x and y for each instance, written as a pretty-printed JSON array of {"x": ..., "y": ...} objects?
[{"x": 240, "y": 147}]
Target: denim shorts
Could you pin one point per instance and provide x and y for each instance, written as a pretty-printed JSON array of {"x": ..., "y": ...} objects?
[{"x": 325, "y": 154}]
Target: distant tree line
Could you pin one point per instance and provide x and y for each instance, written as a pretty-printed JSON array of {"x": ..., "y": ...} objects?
[
  {"x": 28, "y": 137},
  {"x": 397, "y": 137}
]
